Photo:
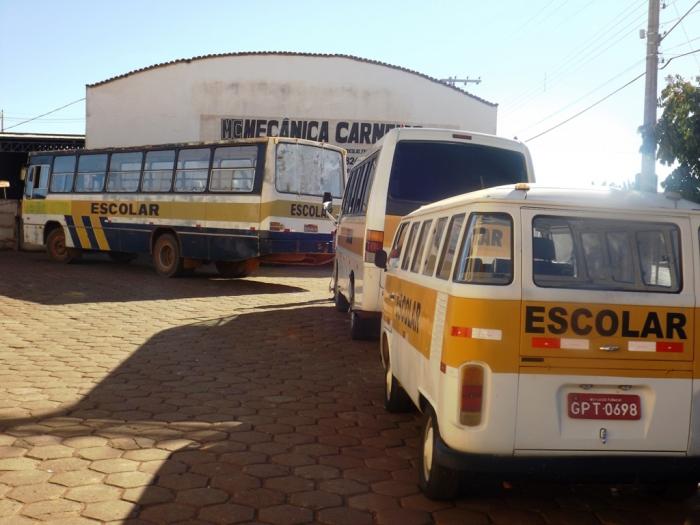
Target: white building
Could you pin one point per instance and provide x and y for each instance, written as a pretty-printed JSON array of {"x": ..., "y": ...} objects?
[{"x": 344, "y": 100}]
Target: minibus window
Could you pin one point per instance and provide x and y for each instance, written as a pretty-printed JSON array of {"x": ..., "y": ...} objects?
[
  {"x": 434, "y": 246},
  {"x": 450, "y": 246},
  {"x": 409, "y": 246},
  {"x": 420, "y": 246},
  {"x": 598, "y": 254},
  {"x": 395, "y": 254},
  {"x": 486, "y": 256}
]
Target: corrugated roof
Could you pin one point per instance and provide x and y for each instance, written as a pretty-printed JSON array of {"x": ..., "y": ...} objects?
[{"x": 293, "y": 54}]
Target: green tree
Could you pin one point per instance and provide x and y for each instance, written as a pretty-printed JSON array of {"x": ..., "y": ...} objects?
[{"x": 678, "y": 137}]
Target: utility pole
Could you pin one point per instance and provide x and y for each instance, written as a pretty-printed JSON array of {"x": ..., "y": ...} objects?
[
  {"x": 2, "y": 120},
  {"x": 647, "y": 178}
]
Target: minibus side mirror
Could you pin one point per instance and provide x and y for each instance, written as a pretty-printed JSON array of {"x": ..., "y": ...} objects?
[
  {"x": 380, "y": 258},
  {"x": 328, "y": 206}
]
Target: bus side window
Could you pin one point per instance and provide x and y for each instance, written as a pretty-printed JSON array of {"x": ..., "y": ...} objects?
[
  {"x": 63, "y": 172},
  {"x": 192, "y": 170},
  {"x": 420, "y": 246},
  {"x": 37, "y": 184},
  {"x": 450, "y": 246},
  {"x": 434, "y": 246},
  {"x": 409, "y": 246},
  {"x": 486, "y": 255},
  {"x": 395, "y": 254},
  {"x": 92, "y": 170}
]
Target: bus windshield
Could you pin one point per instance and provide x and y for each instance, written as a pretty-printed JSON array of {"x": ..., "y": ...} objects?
[
  {"x": 425, "y": 172},
  {"x": 308, "y": 170}
]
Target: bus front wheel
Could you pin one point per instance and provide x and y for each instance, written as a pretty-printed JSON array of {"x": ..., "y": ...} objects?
[
  {"x": 436, "y": 482},
  {"x": 166, "y": 256},
  {"x": 57, "y": 249}
]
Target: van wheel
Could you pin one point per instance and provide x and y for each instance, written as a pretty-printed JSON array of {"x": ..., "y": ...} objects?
[
  {"x": 436, "y": 481},
  {"x": 122, "y": 257},
  {"x": 57, "y": 249},
  {"x": 396, "y": 400},
  {"x": 166, "y": 256},
  {"x": 236, "y": 269}
]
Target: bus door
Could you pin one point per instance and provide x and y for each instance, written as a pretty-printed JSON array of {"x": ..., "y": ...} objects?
[{"x": 606, "y": 350}]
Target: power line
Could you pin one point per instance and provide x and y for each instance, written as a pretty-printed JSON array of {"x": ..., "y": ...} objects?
[
  {"x": 679, "y": 21},
  {"x": 44, "y": 114},
  {"x": 687, "y": 38},
  {"x": 679, "y": 56},
  {"x": 606, "y": 97}
]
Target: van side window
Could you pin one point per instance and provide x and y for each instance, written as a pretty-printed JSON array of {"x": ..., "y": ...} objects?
[
  {"x": 395, "y": 255},
  {"x": 409, "y": 245},
  {"x": 603, "y": 254},
  {"x": 368, "y": 186},
  {"x": 420, "y": 246},
  {"x": 450, "y": 246},
  {"x": 486, "y": 255},
  {"x": 352, "y": 180},
  {"x": 434, "y": 246}
]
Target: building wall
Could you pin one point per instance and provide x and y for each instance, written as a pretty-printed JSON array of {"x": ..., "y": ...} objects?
[{"x": 186, "y": 101}]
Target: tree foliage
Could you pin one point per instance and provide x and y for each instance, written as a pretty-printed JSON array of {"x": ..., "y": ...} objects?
[{"x": 678, "y": 137}]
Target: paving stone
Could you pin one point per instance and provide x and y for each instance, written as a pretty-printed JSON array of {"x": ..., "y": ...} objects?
[
  {"x": 146, "y": 454},
  {"x": 149, "y": 495},
  {"x": 96, "y": 453},
  {"x": 201, "y": 497},
  {"x": 317, "y": 472},
  {"x": 109, "y": 466},
  {"x": 23, "y": 477},
  {"x": 110, "y": 510},
  {"x": 344, "y": 487},
  {"x": 15, "y": 463},
  {"x": 515, "y": 517},
  {"x": 9, "y": 508},
  {"x": 38, "y": 492},
  {"x": 85, "y": 442},
  {"x": 50, "y": 452},
  {"x": 285, "y": 515},
  {"x": 395, "y": 488},
  {"x": 344, "y": 516},
  {"x": 93, "y": 493},
  {"x": 316, "y": 499},
  {"x": 129, "y": 479},
  {"x": 11, "y": 452},
  {"x": 226, "y": 513},
  {"x": 373, "y": 502},
  {"x": 402, "y": 516},
  {"x": 259, "y": 497},
  {"x": 63, "y": 465},
  {"x": 289, "y": 484},
  {"x": 52, "y": 509},
  {"x": 459, "y": 516}
]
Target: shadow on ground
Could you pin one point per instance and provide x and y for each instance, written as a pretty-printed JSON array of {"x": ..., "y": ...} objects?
[{"x": 77, "y": 285}]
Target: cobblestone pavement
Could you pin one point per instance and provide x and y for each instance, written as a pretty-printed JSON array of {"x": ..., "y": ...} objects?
[{"x": 125, "y": 397}]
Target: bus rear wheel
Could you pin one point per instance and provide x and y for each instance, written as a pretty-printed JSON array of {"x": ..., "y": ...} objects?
[
  {"x": 236, "y": 269},
  {"x": 436, "y": 482},
  {"x": 166, "y": 256},
  {"x": 57, "y": 249}
]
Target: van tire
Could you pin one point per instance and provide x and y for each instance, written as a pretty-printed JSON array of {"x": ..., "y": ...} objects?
[
  {"x": 396, "y": 400},
  {"x": 57, "y": 250},
  {"x": 166, "y": 256},
  {"x": 436, "y": 481}
]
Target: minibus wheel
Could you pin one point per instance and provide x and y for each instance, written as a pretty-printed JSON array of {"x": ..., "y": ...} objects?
[
  {"x": 57, "y": 249},
  {"x": 436, "y": 481},
  {"x": 166, "y": 256}
]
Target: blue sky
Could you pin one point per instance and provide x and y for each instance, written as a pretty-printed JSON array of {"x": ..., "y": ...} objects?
[{"x": 541, "y": 61}]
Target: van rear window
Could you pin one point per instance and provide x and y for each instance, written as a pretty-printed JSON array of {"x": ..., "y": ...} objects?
[
  {"x": 596, "y": 254},
  {"x": 425, "y": 172}
]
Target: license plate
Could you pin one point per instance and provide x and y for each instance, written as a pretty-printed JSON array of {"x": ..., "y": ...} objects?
[{"x": 604, "y": 406}]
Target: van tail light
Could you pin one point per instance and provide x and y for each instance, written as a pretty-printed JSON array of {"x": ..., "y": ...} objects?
[
  {"x": 373, "y": 243},
  {"x": 472, "y": 395}
]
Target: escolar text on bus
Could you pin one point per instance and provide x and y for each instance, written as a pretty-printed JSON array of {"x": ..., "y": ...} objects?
[
  {"x": 124, "y": 208},
  {"x": 607, "y": 323}
]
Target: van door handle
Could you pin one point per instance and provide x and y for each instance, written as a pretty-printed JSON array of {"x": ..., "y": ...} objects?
[
  {"x": 609, "y": 348},
  {"x": 392, "y": 296}
]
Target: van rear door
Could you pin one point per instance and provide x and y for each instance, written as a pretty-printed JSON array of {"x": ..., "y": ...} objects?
[{"x": 606, "y": 349}]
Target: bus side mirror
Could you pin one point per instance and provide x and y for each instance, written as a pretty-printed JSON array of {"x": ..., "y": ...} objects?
[
  {"x": 327, "y": 199},
  {"x": 380, "y": 259},
  {"x": 328, "y": 206}
]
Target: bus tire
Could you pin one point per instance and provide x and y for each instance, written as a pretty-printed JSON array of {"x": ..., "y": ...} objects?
[
  {"x": 166, "y": 256},
  {"x": 56, "y": 247},
  {"x": 436, "y": 481},
  {"x": 236, "y": 269},
  {"x": 396, "y": 400},
  {"x": 122, "y": 257}
]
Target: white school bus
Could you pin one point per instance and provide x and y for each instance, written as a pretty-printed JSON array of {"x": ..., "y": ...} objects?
[
  {"x": 547, "y": 333},
  {"x": 409, "y": 167},
  {"x": 234, "y": 203}
]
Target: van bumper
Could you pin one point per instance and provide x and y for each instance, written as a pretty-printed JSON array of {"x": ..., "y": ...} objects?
[{"x": 597, "y": 468}]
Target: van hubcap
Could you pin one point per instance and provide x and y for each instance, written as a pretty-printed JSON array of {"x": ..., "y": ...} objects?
[{"x": 428, "y": 450}]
